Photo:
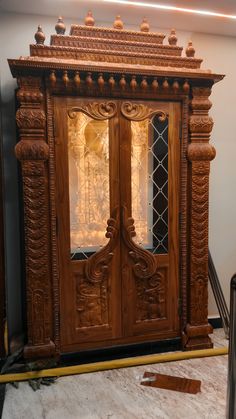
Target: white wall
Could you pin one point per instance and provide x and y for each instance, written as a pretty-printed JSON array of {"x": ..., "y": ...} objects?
[{"x": 17, "y": 32}]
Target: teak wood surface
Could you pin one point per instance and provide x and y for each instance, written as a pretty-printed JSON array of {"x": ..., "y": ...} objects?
[
  {"x": 122, "y": 326},
  {"x": 135, "y": 67}
]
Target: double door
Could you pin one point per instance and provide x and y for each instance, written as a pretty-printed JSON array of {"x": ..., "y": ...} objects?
[{"x": 117, "y": 204}]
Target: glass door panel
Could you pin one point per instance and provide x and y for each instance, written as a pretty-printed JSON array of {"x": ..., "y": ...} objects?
[
  {"x": 149, "y": 183},
  {"x": 88, "y": 154}
]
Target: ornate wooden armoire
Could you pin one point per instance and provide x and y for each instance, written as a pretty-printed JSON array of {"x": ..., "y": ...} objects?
[{"x": 115, "y": 157}]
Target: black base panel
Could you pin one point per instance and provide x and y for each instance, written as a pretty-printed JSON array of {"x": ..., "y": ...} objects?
[
  {"x": 216, "y": 322},
  {"x": 119, "y": 351}
]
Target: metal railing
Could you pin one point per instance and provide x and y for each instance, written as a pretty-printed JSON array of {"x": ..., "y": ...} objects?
[
  {"x": 218, "y": 295},
  {"x": 231, "y": 399}
]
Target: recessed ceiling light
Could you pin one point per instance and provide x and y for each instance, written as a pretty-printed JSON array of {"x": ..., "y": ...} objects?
[{"x": 172, "y": 8}]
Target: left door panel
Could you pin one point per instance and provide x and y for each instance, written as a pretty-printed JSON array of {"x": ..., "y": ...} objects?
[{"x": 87, "y": 201}]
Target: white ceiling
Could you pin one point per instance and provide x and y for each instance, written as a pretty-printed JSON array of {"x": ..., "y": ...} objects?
[{"x": 132, "y": 15}]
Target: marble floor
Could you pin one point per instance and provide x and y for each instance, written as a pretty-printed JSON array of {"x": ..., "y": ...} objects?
[{"x": 117, "y": 394}]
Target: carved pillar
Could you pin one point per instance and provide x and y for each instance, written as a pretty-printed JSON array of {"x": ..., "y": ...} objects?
[
  {"x": 33, "y": 153},
  {"x": 200, "y": 153}
]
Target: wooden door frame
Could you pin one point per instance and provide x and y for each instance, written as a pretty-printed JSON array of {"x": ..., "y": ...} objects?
[{"x": 61, "y": 167}]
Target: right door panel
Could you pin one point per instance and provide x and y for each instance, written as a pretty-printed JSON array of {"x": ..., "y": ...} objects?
[{"x": 149, "y": 168}]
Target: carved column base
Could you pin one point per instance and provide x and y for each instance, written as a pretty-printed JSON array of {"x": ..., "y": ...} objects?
[
  {"x": 39, "y": 351},
  {"x": 196, "y": 337}
]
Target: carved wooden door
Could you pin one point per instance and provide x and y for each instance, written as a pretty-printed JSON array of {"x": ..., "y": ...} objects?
[{"x": 117, "y": 204}]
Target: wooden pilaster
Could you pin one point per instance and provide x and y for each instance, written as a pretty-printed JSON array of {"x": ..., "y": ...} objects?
[
  {"x": 200, "y": 153},
  {"x": 33, "y": 152}
]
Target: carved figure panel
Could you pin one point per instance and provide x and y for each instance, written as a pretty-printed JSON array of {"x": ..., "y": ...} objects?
[
  {"x": 151, "y": 297},
  {"x": 91, "y": 302}
]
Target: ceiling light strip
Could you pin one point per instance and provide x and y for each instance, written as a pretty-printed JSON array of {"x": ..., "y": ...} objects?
[{"x": 172, "y": 8}]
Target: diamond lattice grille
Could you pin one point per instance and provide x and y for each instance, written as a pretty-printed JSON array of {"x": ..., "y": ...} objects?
[{"x": 150, "y": 183}]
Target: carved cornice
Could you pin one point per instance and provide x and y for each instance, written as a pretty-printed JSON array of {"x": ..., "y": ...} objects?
[
  {"x": 139, "y": 112},
  {"x": 96, "y": 110},
  {"x": 39, "y": 65},
  {"x": 145, "y": 265},
  {"x": 109, "y": 33},
  {"x": 124, "y": 57},
  {"x": 114, "y": 44}
]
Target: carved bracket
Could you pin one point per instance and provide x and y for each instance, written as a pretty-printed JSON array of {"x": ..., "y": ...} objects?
[
  {"x": 96, "y": 268},
  {"x": 145, "y": 265}
]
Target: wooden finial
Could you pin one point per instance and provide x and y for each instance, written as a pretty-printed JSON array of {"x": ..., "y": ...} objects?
[
  {"x": 118, "y": 24},
  {"x": 101, "y": 81},
  {"x": 65, "y": 78},
  {"x": 144, "y": 83},
  {"x": 165, "y": 84},
  {"x": 144, "y": 27},
  {"x": 186, "y": 86},
  {"x": 77, "y": 79},
  {"x": 122, "y": 82},
  {"x": 175, "y": 86},
  {"x": 133, "y": 83},
  {"x": 60, "y": 26},
  {"x": 111, "y": 82},
  {"x": 89, "y": 80},
  {"x": 172, "y": 39},
  {"x": 155, "y": 84},
  {"x": 52, "y": 78},
  {"x": 89, "y": 20},
  {"x": 39, "y": 36},
  {"x": 190, "y": 51}
]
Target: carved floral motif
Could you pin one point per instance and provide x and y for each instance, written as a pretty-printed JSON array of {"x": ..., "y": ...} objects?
[
  {"x": 96, "y": 110},
  {"x": 201, "y": 123},
  {"x": 30, "y": 118},
  {"x": 138, "y": 111}
]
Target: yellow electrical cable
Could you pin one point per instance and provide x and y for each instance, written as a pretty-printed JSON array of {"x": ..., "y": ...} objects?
[{"x": 109, "y": 365}]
